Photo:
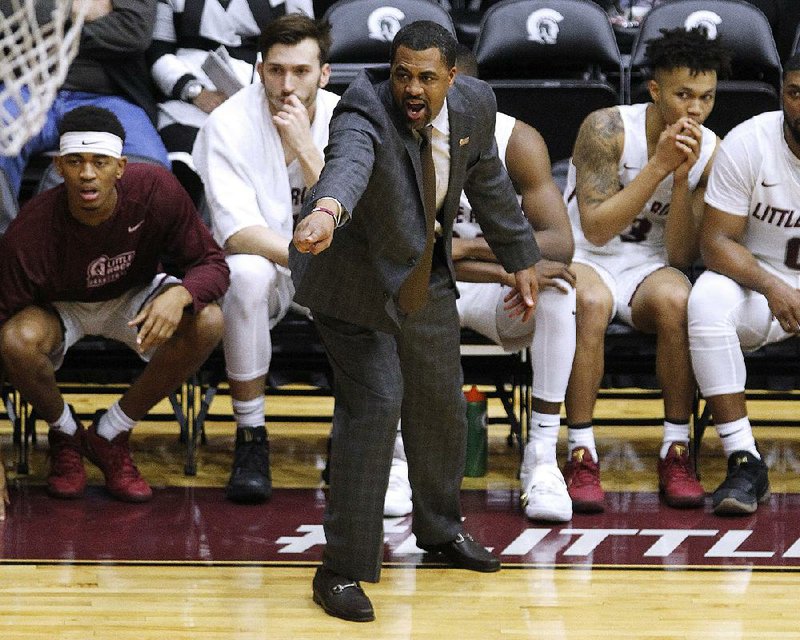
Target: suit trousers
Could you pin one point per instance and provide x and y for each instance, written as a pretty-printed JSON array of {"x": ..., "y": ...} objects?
[{"x": 379, "y": 377}]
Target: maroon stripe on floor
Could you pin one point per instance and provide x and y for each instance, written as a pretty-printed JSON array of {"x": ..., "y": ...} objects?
[{"x": 199, "y": 525}]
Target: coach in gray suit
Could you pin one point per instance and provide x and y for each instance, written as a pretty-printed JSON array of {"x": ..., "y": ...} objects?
[{"x": 382, "y": 291}]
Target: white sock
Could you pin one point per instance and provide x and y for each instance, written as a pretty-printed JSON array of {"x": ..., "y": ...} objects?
[
  {"x": 114, "y": 422},
  {"x": 544, "y": 432},
  {"x": 249, "y": 414},
  {"x": 582, "y": 436},
  {"x": 65, "y": 423},
  {"x": 674, "y": 432},
  {"x": 737, "y": 436}
]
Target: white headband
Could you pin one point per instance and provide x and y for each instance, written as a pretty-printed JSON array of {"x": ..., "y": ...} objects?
[{"x": 99, "y": 142}]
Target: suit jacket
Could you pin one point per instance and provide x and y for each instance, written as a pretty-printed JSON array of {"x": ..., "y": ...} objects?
[{"x": 373, "y": 167}]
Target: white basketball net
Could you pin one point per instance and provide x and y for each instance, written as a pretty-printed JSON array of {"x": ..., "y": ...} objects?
[{"x": 34, "y": 60}]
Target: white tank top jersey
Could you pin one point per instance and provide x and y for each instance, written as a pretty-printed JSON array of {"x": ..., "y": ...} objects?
[
  {"x": 466, "y": 224},
  {"x": 647, "y": 230},
  {"x": 756, "y": 175}
]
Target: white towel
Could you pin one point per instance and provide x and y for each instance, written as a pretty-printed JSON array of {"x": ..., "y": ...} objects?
[{"x": 239, "y": 155}]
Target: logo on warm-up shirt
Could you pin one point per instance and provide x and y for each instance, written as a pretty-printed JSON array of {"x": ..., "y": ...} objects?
[
  {"x": 105, "y": 270},
  {"x": 298, "y": 196}
]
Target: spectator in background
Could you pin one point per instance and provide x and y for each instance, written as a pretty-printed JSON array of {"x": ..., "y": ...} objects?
[
  {"x": 185, "y": 32},
  {"x": 257, "y": 155},
  {"x": 109, "y": 71}
]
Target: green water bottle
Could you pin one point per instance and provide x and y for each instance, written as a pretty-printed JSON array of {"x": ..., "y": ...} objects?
[{"x": 477, "y": 434}]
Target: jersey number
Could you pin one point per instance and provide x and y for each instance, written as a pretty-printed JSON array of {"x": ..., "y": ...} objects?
[
  {"x": 638, "y": 231},
  {"x": 792, "y": 259}
]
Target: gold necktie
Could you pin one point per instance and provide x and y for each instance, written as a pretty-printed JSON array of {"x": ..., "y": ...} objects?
[{"x": 414, "y": 291}]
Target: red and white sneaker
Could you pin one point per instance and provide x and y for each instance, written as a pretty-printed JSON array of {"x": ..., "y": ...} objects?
[
  {"x": 582, "y": 475},
  {"x": 677, "y": 481},
  {"x": 123, "y": 480},
  {"x": 67, "y": 477}
]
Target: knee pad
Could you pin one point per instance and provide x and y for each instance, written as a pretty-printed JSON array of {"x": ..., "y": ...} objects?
[
  {"x": 711, "y": 301},
  {"x": 251, "y": 277}
]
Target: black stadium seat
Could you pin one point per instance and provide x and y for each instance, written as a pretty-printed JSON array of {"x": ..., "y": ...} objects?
[
  {"x": 467, "y": 16},
  {"x": 550, "y": 63},
  {"x": 362, "y": 32},
  {"x": 795, "y": 49},
  {"x": 788, "y": 23},
  {"x": 755, "y": 84}
]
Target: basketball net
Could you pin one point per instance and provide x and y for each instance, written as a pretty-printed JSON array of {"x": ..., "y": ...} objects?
[{"x": 34, "y": 59}]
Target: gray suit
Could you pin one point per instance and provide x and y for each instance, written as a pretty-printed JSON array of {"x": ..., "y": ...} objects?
[{"x": 387, "y": 363}]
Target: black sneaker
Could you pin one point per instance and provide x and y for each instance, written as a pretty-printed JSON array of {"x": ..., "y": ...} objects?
[
  {"x": 744, "y": 487},
  {"x": 250, "y": 480}
]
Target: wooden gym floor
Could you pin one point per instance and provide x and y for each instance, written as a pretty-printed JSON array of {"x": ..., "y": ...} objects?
[{"x": 180, "y": 570}]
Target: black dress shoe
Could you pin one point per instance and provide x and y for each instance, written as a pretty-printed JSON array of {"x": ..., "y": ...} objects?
[
  {"x": 341, "y": 597},
  {"x": 465, "y": 553},
  {"x": 250, "y": 481}
]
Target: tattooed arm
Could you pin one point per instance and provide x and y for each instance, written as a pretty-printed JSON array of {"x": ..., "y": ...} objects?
[{"x": 606, "y": 209}]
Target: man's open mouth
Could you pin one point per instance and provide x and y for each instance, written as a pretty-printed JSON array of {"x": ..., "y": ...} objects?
[{"x": 416, "y": 110}]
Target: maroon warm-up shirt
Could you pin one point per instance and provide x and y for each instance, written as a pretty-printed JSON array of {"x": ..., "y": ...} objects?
[{"x": 46, "y": 255}]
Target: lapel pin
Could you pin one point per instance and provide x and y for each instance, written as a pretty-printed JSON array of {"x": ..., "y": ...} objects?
[{"x": 463, "y": 141}]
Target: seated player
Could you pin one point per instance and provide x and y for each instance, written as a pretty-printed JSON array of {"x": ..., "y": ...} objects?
[
  {"x": 84, "y": 258},
  {"x": 634, "y": 195},
  {"x": 748, "y": 297}
]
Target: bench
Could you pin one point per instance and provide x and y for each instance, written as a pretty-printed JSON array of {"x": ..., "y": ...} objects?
[
  {"x": 298, "y": 357},
  {"x": 773, "y": 374},
  {"x": 101, "y": 366},
  {"x": 94, "y": 366},
  {"x": 98, "y": 366},
  {"x": 630, "y": 363}
]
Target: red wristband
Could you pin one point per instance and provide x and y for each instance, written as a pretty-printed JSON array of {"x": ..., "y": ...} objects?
[{"x": 328, "y": 211}]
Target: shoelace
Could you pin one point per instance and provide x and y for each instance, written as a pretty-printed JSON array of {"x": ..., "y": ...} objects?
[
  {"x": 122, "y": 460},
  {"x": 583, "y": 475},
  {"x": 247, "y": 456},
  {"x": 680, "y": 467},
  {"x": 66, "y": 459},
  {"x": 550, "y": 487},
  {"x": 546, "y": 484},
  {"x": 742, "y": 471}
]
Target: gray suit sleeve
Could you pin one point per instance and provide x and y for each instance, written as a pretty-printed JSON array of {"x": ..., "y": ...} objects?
[{"x": 349, "y": 159}]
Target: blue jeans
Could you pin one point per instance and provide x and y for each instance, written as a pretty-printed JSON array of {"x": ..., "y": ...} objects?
[{"x": 141, "y": 137}]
